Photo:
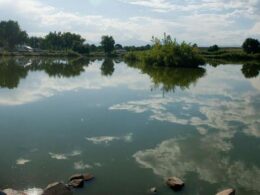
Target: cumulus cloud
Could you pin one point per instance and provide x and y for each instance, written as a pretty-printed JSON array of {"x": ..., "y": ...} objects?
[{"x": 207, "y": 21}]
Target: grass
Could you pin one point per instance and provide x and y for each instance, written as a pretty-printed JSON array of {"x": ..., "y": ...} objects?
[{"x": 234, "y": 54}]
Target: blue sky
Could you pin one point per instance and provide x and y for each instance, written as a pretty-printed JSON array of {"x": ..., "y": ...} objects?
[{"x": 206, "y": 22}]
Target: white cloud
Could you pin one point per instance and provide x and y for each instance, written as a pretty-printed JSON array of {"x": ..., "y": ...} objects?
[{"x": 204, "y": 22}]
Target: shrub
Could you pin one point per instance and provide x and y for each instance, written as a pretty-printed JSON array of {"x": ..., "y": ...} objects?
[
  {"x": 213, "y": 48},
  {"x": 251, "y": 45},
  {"x": 169, "y": 53}
]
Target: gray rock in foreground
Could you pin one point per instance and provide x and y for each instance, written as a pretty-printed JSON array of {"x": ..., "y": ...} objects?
[
  {"x": 57, "y": 189},
  {"x": 227, "y": 192},
  {"x": 85, "y": 177},
  {"x": 175, "y": 183},
  {"x": 13, "y": 192},
  {"x": 76, "y": 183}
]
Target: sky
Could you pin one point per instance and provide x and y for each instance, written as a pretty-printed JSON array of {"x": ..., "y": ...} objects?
[{"x": 134, "y": 22}]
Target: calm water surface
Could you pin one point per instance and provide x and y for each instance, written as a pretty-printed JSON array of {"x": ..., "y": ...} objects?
[{"x": 131, "y": 127}]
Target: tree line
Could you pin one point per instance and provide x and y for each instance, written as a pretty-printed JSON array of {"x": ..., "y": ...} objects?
[{"x": 12, "y": 35}]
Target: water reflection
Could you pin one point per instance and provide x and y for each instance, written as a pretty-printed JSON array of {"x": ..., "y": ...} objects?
[
  {"x": 251, "y": 70},
  {"x": 107, "y": 67},
  {"x": 182, "y": 156},
  {"x": 169, "y": 78},
  {"x": 11, "y": 73}
]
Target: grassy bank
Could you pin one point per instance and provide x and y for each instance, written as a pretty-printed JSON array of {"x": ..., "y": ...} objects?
[{"x": 234, "y": 54}]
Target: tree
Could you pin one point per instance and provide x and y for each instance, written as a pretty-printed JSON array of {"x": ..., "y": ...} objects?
[
  {"x": 251, "y": 45},
  {"x": 108, "y": 44},
  {"x": 11, "y": 34},
  {"x": 213, "y": 48},
  {"x": 35, "y": 42},
  {"x": 118, "y": 46}
]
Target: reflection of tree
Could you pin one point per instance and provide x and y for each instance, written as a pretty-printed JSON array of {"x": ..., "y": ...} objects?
[
  {"x": 170, "y": 78},
  {"x": 11, "y": 73},
  {"x": 64, "y": 68},
  {"x": 251, "y": 70},
  {"x": 13, "y": 69},
  {"x": 107, "y": 68}
]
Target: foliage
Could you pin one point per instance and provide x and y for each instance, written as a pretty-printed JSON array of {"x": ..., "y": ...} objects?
[
  {"x": 251, "y": 70},
  {"x": 118, "y": 46},
  {"x": 62, "y": 41},
  {"x": 35, "y": 42},
  {"x": 168, "y": 78},
  {"x": 251, "y": 45},
  {"x": 213, "y": 48},
  {"x": 11, "y": 34},
  {"x": 107, "y": 68},
  {"x": 11, "y": 73},
  {"x": 140, "y": 48},
  {"x": 108, "y": 44},
  {"x": 168, "y": 53}
]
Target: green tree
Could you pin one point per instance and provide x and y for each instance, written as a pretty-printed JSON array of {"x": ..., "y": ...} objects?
[
  {"x": 108, "y": 44},
  {"x": 11, "y": 34},
  {"x": 35, "y": 42},
  {"x": 213, "y": 48},
  {"x": 251, "y": 45}
]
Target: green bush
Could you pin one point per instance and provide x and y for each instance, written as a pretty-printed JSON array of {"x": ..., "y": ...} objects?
[
  {"x": 168, "y": 53},
  {"x": 213, "y": 48}
]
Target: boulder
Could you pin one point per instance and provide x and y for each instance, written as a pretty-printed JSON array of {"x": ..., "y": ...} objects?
[
  {"x": 13, "y": 192},
  {"x": 175, "y": 183},
  {"x": 227, "y": 192},
  {"x": 76, "y": 183},
  {"x": 88, "y": 177},
  {"x": 57, "y": 189},
  {"x": 85, "y": 177}
]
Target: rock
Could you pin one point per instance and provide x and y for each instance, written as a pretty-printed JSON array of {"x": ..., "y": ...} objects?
[
  {"x": 153, "y": 190},
  {"x": 227, "y": 192},
  {"x": 76, "y": 183},
  {"x": 76, "y": 176},
  {"x": 57, "y": 189},
  {"x": 13, "y": 192},
  {"x": 175, "y": 183},
  {"x": 85, "y": 177},
  {"x": 88, "y": 177}
]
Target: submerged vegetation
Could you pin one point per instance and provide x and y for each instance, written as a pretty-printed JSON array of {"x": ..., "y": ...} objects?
[{"x": 168, "y": 53}]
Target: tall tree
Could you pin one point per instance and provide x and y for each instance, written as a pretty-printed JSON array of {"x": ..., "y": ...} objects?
[
  {"x": 251, "y": 45},
  {"x": 11, "y": 34},
  {"x": 108, "y": 44}
]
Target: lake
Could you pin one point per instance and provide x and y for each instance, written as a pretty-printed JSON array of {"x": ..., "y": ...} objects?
[{"x": 129, "y": 125}]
